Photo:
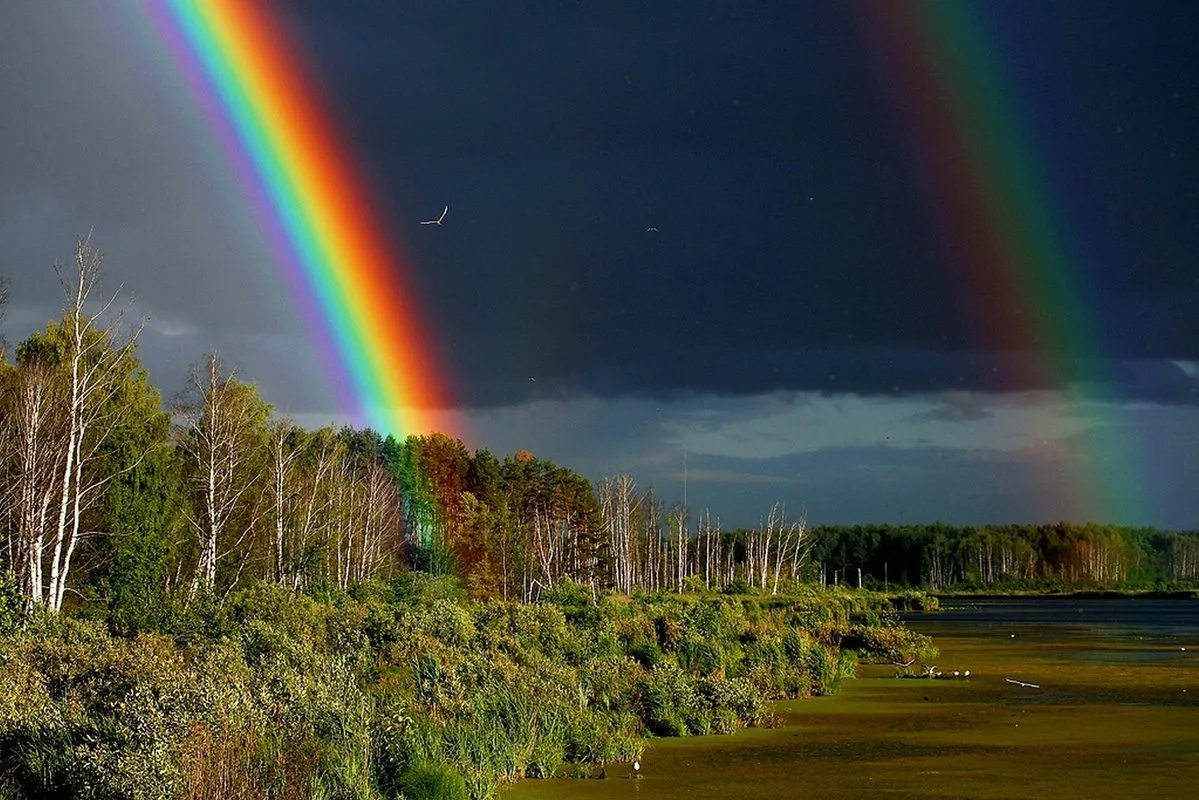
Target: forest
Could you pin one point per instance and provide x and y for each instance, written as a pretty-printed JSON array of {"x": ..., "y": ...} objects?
[
  {"x": 1006, "y": 557},
  {"x": 201, "y": 599},
  {"x": 115, "y": 499}
]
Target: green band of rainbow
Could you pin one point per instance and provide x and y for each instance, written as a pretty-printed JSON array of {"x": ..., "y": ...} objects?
[{"x": 1018, "y": 270}]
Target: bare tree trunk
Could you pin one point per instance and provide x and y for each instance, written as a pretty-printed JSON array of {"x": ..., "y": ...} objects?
[
  {"x": 94, "y": 354},
  {"x": 679, "y": 520},
  {"x": 36, "y": 437},
  {"x": 219, "y": 437},
  {"x": 282, "y": 457}
]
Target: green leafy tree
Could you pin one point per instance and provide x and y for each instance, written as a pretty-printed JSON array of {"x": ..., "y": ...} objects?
[{"x": 139, "y": 511}]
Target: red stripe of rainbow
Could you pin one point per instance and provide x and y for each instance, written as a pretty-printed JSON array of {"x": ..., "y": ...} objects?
[
  {"x": 295, "y": 162},
  {"x": 1018, "y": 271}
]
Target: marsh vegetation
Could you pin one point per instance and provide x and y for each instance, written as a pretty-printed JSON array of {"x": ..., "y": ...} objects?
[
  {"x": 1116, "y": 714},
  {"x": 406, "y": 689}
]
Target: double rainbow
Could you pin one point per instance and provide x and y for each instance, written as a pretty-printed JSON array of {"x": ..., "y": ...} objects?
[{"x": 297, "y": 170}]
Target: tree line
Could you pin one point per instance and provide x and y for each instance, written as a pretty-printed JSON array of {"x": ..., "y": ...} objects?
[
  {"x": 112, "y": 495},
  {"x": 939, "y": 555}
]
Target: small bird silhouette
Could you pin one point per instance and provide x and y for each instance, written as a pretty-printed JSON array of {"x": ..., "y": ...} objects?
[{"x": 438, "y": 220}]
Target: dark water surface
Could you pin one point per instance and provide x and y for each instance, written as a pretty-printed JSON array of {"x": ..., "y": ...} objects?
[{"x": 1116, "y": 715}]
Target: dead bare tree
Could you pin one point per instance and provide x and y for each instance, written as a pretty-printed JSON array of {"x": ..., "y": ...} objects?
[
  {"x": 708, "y": 547},
  {"x": 792, "y": 550},
  {"x": 679, "y": 544},
  {"x": 653, "y": 573},
  {"x": 619, "y": 502}
]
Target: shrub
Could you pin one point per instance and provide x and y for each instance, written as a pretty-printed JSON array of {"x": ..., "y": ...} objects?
[
  {"x": 737, "y": 586},
  {"x": 666, "y": 697},
  {"x": 886, "y": 643},
  {"x": 401, "y": 689},
  {"x": 647, "y": 655},
  {"x": 701, "y": 658},
  {"x": 11, "y": 606},
  {"x": 433, "y": 781}
]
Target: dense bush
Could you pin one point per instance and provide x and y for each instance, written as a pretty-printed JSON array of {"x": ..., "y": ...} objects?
[
  {"x": 11, "y": 605},
  {"x": 399, "y": 689}
]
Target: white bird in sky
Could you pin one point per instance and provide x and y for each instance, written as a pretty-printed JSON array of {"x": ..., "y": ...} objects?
[{"x": 438, "y": 220}]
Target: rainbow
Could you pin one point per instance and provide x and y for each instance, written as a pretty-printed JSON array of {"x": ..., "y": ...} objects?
[
  {"x": 295, "y": 168},
  {"x": 1017, "y": 267}
]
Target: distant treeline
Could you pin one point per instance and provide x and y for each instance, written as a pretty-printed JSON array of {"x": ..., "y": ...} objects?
[{"x": 940, "y": 555}]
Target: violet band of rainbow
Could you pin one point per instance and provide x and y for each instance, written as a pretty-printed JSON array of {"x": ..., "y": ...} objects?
[{"x": 322, "y": 223}]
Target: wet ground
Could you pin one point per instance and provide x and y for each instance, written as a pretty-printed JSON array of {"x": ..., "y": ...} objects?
[{"x": 1115, "y": 714}]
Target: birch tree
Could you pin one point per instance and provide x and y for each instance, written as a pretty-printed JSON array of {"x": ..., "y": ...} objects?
[
  {"x": 98, "y": 357},
  {"x": 302, "y": 469},
  {"x": 223, "y": 434},
  {"x": 619, "y": 502},
  {"x": 65, "y": 409},
  {"x": 33, "y": 433}
]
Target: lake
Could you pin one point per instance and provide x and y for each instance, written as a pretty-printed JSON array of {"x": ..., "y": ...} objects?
[{"x": 1116, "y": 714}]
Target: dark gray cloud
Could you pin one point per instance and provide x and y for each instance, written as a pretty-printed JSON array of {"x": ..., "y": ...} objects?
[
  {"x": 793, "y": 248},
  {"x": 797, "y": 250},
  {"x": 760, "y": 143}
]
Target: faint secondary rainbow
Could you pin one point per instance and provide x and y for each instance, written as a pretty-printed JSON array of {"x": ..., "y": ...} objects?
[
  {"x": 297, "y": 170},
  {"x": 1017, "y": 268}
]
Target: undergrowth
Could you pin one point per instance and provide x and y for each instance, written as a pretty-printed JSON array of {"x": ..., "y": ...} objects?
[{"x": 405, "y": 689}]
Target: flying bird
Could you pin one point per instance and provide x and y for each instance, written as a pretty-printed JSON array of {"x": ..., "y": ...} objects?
[
  {"x": 1025, "y": 685},
  {"x": 651, "y": 229},
  {"x": 438, "y": 220}
]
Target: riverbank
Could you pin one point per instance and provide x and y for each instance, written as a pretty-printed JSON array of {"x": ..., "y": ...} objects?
[
  {"x": 1116, "y": 714},
  {"x": 407, "y": 688}
]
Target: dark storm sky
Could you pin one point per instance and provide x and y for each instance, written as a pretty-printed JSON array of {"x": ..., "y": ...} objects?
[{"x": 797, "y": 322}]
